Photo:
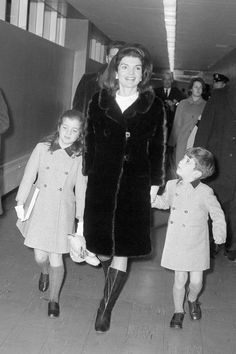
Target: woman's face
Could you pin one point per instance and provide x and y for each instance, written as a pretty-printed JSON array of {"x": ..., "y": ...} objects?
[
  {"x": 197, "y": 89},
  {"x": 69, "y": 132},
  {"x": 129, "y": 72}
]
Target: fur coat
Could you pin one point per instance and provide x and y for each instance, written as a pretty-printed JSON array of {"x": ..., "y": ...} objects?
[{"x": 124, "y": 156}]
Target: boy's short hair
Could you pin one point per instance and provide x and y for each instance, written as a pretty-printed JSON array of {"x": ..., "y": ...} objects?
[{"x": 205, "y": 162}]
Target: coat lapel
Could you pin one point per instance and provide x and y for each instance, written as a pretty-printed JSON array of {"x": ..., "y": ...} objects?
[{"x": 112, "y": 110}]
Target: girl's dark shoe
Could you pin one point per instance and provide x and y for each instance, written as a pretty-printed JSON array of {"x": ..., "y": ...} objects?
[
  {"x": 177, "y": 320},
  {"x": 53, "y": 309},
  {"x": 43, "y": 282},
  {"x": 115, "y": 280},
  {"x": 194, "y": 310}
]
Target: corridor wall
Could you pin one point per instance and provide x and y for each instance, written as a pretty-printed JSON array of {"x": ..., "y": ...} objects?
[{"x": 36, "y": 78}]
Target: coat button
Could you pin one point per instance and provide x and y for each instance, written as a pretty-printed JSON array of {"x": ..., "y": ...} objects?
[
  {"x": 60, "y": 189},
  {"x": 45, "y": 185},
  {"x": 107, "y": 132},
  {"x": 47, "y": 168},
  {"x": 66, "y": 173},
  {"x": 126, "y": 157},
  {"x": 186, "y": 211},
  {"x": 171, "y": 222},
  {"x": 173, "y": 208}
]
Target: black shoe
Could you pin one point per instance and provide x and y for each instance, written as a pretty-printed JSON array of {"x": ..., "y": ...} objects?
[
  {"x": 177, "y": 320},
  {"x": 43, "y": 282},
  {"x": 194, "y": 310},
  {"x": 231, "y": 255},
  {"x": 114, "y": 283},
  {"x": 53, "y": 309}
]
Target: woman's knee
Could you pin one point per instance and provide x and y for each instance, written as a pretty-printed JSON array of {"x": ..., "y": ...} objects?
[{"x": 103, "y": 258}]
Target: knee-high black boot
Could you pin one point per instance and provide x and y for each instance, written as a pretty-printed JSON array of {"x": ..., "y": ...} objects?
[
  {"x": 105, "y": 265},
  {"x": 114, "y": 283}
]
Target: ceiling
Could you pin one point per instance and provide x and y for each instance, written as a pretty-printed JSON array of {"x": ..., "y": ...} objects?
[{"x": 205, "y": 32}]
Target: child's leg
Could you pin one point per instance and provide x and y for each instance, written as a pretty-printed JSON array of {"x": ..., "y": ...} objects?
[
  {"x": 179, "y": 290},
  {"x": 195, "y": 285},
  {"x": 41, "y": 258},
  {"x": 56, "y": 275}
]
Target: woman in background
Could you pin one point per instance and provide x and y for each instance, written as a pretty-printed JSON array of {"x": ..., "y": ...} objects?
[{"x": 187, "y": 117}]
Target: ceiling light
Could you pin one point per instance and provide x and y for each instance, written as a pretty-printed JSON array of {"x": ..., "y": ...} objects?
[{"x": 170, "y": 24}]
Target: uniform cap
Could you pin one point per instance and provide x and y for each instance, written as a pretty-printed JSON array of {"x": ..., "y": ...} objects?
[{"x": 220, "y": 77}]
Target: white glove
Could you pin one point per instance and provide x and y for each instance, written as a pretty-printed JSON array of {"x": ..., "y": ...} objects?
[
  {"x": 20, "y": 212},
  {"x": 153, "y": 193},
  {"x": 80, "y": 228}
]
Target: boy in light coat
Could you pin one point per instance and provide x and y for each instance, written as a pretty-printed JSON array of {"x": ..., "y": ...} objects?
[{"x": 186, "y": 248}]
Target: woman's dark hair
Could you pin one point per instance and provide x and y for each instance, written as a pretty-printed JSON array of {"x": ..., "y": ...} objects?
[
  {"x": 204, "y": 160},
  {"x": 129, "y": 50},
  {"x": 197, "y": 79},
  {"x": 77, "y": 146}
]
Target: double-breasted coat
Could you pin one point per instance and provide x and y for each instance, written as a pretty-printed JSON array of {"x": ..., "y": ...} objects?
[
  {"x": 124, "y": 156},
  {"x": 61, "y": 198},
  {"x": 187, "y": 239}
]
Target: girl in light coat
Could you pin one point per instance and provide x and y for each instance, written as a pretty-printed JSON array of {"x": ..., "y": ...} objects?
[
  {"x": 56, "y": 166},
  {"x": 186, "y": 248}
]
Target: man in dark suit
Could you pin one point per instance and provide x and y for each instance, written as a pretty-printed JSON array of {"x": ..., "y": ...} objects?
[
  {"x": 217, "y": 133},
  {"x": 171, "y": 96},
  {"x": 89, "y": 83}
]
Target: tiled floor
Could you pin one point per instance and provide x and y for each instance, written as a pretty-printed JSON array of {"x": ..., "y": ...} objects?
[{"x": 140, "y": 320}]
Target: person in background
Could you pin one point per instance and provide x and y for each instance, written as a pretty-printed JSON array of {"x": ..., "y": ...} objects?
[
  {"x": 89, "y": 83},
  {"x": 187, "y": 117},
  {"x": 171, "y": 96},
  {"x": 4, "y": 125},
  {"x": 56, "y": 165},
  {"x": 125, "y": 138},
  {"x": 219, "y": 81},
  {"x": 186, "y": 249},
  {"x": 217, "y": 132}
]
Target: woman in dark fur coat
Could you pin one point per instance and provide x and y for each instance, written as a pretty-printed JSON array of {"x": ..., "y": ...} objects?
[{"x": 125, "y": 141}]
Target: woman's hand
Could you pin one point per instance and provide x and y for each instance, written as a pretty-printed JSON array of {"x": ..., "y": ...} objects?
[{"x": 153, "y": 193}]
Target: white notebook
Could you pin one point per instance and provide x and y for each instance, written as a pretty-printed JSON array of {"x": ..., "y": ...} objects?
[{"x": 30, "y": 201}]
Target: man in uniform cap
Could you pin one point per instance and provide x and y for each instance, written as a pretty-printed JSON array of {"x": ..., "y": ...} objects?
[{"x": 219, "y": 80}]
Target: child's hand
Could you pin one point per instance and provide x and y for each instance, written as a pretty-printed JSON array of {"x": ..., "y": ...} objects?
[
  {"x": 153, "y": 192},
  {"x": 20, "y": 212},
  {"x": 219, "y": 240}
]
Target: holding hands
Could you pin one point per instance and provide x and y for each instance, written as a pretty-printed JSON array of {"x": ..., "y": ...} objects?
[{"x": 78, "y": 251}]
